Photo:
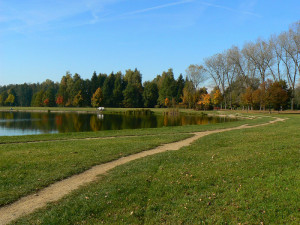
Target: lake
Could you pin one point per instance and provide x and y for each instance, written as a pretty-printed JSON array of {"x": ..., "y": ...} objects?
[{"x": 26, "y": 123}]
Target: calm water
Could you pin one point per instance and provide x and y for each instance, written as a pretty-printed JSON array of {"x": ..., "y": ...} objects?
[{"x": 24, "y": 123}]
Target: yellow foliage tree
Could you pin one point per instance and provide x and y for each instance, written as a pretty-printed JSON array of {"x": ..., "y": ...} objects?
[
  {"x": 78, "y": 99},
  {"x": 217, "y": 98},
  {"x": 97, "y": 98},
  {"x": 10, "y": 99}
]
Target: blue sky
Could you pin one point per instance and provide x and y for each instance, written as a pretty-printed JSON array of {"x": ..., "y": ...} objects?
[{"x": 42, "y": 39}]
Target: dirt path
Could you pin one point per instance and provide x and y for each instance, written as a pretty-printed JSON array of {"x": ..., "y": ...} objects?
[{"x": 56, "y": 191}]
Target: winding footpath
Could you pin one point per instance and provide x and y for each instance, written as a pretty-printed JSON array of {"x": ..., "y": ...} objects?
[{"x": 56, "y": 191}]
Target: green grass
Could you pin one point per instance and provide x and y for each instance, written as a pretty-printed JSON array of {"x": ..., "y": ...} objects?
[
  {"x": 249, "y": 176},
  {"x": 28, "y": 167}
]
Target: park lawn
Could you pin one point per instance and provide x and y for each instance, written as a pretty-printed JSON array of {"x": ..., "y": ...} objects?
[
  {"x": 134, "y": 132},
  {"x": 28, "y": 167},
  {"x": 249, "y": 176}
]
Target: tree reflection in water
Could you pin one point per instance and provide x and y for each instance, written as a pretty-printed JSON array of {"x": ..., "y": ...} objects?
[{"x": 11, "y": 123}]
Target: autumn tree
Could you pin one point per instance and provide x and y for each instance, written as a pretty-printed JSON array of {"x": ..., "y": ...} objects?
[
  {"x": 59, "y": 100},
  {"x": 277, "y": 95},
  {"x": 204, "y": 101},
  {"x": 188, "y": 94},
  {"x": 247, "y": 98},
  {"x": 46, "y": 102},
  {"x": 10, "y": 99},
  {"x": 260, "y": 96},
  {"x": 167, "y": 102},
  {"x": 78, "y": 99},
  {"x": 217, "y": 98},
  {"x": 97, "y": 98}
]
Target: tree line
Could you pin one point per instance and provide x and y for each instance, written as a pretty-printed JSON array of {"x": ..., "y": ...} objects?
[
  {"x": 113, "y": 90},
  {"x": 262, "y": 75}
]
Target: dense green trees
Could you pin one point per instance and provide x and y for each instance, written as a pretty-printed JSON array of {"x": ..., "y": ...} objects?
[{"x": 150, "y": 94}]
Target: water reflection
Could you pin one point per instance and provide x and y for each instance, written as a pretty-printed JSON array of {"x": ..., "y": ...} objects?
[{"x": 22, "y": 123}]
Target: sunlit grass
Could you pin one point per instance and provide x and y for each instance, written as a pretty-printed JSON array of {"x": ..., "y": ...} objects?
[
  {"x": 28, "y": 167},
  {"x": 249, "y": 176}
]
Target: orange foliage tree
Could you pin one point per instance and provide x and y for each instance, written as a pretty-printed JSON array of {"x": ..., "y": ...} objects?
[
  {"x": 247, "y": 98},
  {"x": 277, "y": 95},
  {"x": 167, "y": 102},
  {"x": 204, "y": 101},
  {"x": 46, "y": 102},
  {"x": 60, "y": 100}
]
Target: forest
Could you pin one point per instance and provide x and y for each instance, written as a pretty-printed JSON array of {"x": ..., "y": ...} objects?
[{"x": 262, "y": 75}]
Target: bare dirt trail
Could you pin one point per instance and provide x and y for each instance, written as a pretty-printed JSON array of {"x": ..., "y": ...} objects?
[{"x": 56, "y": 191}]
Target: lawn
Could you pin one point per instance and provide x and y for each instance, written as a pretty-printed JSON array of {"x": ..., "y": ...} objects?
[
  {"x": 249, "y": 176},
  {"x": 28, "y": 167}
]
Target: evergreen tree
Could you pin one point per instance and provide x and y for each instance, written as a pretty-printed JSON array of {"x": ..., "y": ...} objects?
[
  {"x": 167, "y": 87},
  {"x": 108, "y": 88},
  {"x": 179, "y": 87},
  {"x": 133, "y": 81},
  {"x": 101, "y": 79},
  {"x": 118, "y": 90},
  {"x": 50, "y": 95},
  {"x": 37, "y": 99},
  {"x": 150, "y": 94},
  {"x": 131, "y": 99},
  {"x": 87, "y": 93},
  {"x": 3, "y": 97},
  {"x": 94, "y": 82}
]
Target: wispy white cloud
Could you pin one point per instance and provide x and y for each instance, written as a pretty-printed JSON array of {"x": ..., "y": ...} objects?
[
  {"x": 230, "y": 9},
  {"x": 158, "y": 7}
]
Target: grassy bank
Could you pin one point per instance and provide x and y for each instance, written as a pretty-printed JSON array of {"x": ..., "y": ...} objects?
[
  {"x": 28, "y": 167},
  {"x": 79, "y": 109},
  {"x": 160, "y": 111},
  {"x": 249, "y": 176}
]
